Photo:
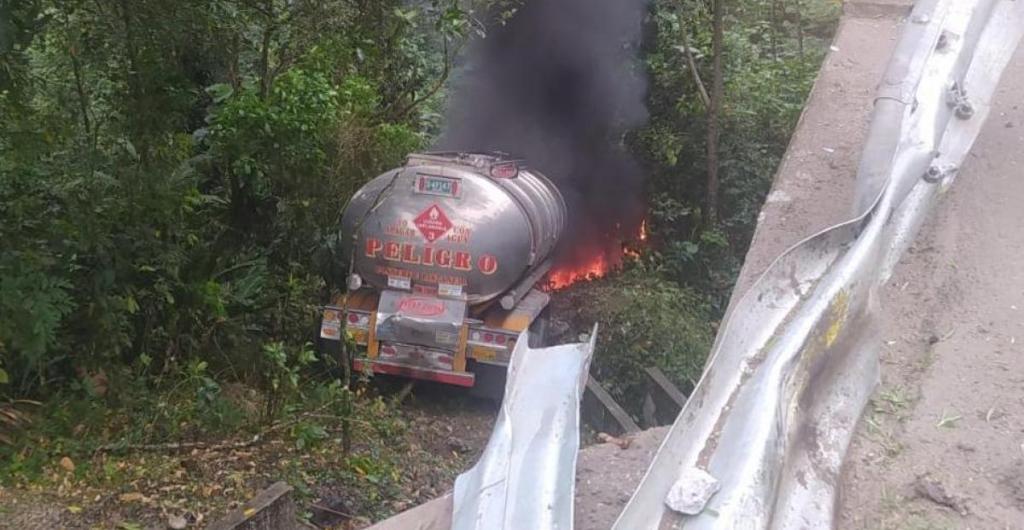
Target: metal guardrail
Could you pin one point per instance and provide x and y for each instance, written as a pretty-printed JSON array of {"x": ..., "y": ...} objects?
[
  {"x": 761, "y": 441},
  {"x": 526, "y": 476}
]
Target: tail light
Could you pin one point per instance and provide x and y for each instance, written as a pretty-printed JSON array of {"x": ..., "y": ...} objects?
[
  {"x": 358, "y": 319},
  {"x": 505, "y": 170},
  {"x": 491, "y": 339}
]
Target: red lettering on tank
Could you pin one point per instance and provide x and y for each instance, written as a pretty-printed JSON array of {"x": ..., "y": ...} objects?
[
  {"x": 373, "y": 247},
  {"x": 463, "y": 261},
  {"x": 443, "y": 257},
  {"x": 421, "y": 306},
  {"x": 409, "y": 254},
  {"x": 429, "y": 256},
  {"x": 488, "y": 264}
]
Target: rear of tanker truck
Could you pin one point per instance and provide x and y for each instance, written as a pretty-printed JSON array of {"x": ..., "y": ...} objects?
[{"x": 444, "y": 256}]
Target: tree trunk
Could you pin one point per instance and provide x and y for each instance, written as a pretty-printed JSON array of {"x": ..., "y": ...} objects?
[
  {"x": 702, "y": 91},
  {"x": 129, "y": 42},
  {"x": 76, "y": 69},
  {"x": 268, "y": 33},
  {"x": 714, "y": 116},
  {"x": 83, "y": 101}
]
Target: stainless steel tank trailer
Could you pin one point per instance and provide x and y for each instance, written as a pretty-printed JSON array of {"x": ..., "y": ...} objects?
[{"x": 445, "y": 256}]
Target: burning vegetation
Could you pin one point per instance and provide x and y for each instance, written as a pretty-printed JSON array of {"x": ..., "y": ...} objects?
[{"x": 596, "y": 262}]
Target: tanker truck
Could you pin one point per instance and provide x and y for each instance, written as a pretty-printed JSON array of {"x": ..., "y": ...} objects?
[{"x": 444, "y": 257}]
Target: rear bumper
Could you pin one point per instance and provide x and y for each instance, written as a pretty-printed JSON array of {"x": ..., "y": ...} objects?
[{"x": 464, "y": 379}]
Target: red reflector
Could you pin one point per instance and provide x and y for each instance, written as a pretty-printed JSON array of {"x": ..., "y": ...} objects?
[
  {"x": 501, "y": 339},
  {"x": 353, "y": 318},
  {"x": 488, "y": 337},
  {"x": 505, "y": 171}
]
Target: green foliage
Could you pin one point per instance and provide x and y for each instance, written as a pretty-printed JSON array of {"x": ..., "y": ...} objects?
[
  {"x": 170, "y": 181},
  {"x": 19, "y": 21},
  {"x": 643, "y": 321},
  {"x": 282, "y": 370},
  {"x": 772, "y": 53},
  {"x": 170, "y": 186}
]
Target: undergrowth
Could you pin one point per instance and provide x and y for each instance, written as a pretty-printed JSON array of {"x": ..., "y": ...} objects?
[
  {"x": 644, "y": 321},
  {"x": 196, "y": 448}
]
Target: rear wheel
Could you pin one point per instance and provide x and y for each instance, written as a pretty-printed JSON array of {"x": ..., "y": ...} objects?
[
  {"x": 329, "y": 353},
  {"x": 490, "y": 380}
]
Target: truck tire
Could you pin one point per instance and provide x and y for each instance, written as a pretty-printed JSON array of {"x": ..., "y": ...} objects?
[
  {"x": 490, "y": 381},
  {"x": 329, "y": 354},
  {"x": 491, "y": 378}
]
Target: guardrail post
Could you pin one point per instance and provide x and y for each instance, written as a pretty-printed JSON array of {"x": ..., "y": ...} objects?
[
  {"x": 271, "y": 509},
  {"x": 603, "y": 413},
  {"x": 663, "y": 400}
]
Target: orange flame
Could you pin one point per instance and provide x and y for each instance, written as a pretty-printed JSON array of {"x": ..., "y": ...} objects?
[
  {"x": 565, "y": 276},
  {"x": 597, "y": 266}
]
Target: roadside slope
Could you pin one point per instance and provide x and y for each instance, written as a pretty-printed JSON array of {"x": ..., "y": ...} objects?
[{"x": 813, "y": 188}]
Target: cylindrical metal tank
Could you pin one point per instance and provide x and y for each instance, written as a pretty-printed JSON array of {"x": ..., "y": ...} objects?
[{"x": 465, "y": 224}]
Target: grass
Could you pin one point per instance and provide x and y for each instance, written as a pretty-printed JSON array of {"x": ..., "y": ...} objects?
[
  {"x": 889, "y": 407},
  {"x": 884, "y": 437},
  {"x": 893, "y": 401},
  {"x": 948, "y": 421}
]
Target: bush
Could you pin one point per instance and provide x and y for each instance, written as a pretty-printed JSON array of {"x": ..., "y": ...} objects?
[{"x": 643, "y": 321}]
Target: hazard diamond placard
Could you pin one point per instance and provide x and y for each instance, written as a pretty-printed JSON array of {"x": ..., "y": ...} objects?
[{"x": 433, "y": 223}]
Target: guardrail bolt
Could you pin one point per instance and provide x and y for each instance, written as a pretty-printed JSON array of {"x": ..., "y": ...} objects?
[
  {"x": 937, "y": 173},
  {"x": 958, "y": 101},
  {"x": 965, "y": 110}
]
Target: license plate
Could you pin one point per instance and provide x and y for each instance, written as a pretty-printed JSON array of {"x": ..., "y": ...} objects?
[
  {"x": 484, "y": 354},
  {"x": 440, "y": 186}
]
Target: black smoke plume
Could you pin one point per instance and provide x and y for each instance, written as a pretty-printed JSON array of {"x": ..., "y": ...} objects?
[{"x": 559, "y": 85}]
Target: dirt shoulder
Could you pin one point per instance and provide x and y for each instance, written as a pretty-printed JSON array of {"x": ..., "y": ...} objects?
[{"x": 942, "y": 444}]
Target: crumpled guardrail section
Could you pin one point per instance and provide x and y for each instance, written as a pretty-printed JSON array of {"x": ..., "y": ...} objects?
[
  {"x": 526, "y": 476},
  {"x": 797, "y": 360}
]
